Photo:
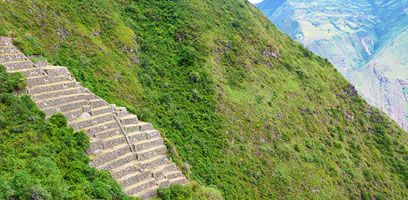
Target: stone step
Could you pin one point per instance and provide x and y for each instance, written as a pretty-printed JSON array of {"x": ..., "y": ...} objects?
[
  {"x": 18, "y": 65},
  {"x": 124, "y": 170},
  {"x": 84, "y": 123},
  {"x": 131, "y": 179},
  {"x": 65, "y": 108},
  {"x": 8, "y": 50},
  {"x": 94, "y": 131},
  {"x": 146, "y": 144},
  {"x": 73, "y": 114},
  {"x": 129, "y": 119},
  {"x": 29, "y": 72},
  {"x": 168, "y": 168},
  {"x": 98, "y": 144},
  {"x": 109, "y": 154},
  {"x": 180, "y": 181},
  {"x": 98, "y": 102},
  {"x": 52, "y": 87},
  {"x": 140, "y": 126},
  {"x": 55, "y": 70},
  {"x": 101, "y": 110},
  {"x": 121, "y": 111},
  {"x": 12, "y": 57},
  {"x": 138, "y": 136},
  {"x": 5, "y": 41},
  {"x": 95, "y": 147},
  {"x": 161, "y": 171},
  {"x": 174, "y": 175},
  {"x": 109, "y": 133},
  {"x": 147, "y": 194},
  {"x": 144, "y": 126},
  {"x": 164, "y": 183},
  {"x": 154, "y": 162},
  {"x": 131, "y": 128},
  {"x": 36, "y": 81},
  {"x": 114, "y": 141},
  {"x": 61, "y": 100},
  {"x": 140, "y": 186},
  {"x": 118, "y": 162},
  {"x": 57, "y": 93},
  {"x": 41, "y": 63},
  {"x": 151, "y": 153}
]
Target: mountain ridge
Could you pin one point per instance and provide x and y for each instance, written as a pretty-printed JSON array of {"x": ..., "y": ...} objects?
[{"x": 362, "y": 33}]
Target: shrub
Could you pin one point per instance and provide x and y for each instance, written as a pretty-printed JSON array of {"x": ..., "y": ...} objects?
[
  {"x": 58, "y": 120},
  {"x": 175, "y": 192},
  {"x": 10, "y": 82}
]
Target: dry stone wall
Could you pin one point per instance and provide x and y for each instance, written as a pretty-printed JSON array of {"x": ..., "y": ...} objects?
[{"x": 130, "y": 149}]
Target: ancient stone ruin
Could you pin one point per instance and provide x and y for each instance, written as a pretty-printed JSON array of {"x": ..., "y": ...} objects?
[{"x": 131, "y": 150}]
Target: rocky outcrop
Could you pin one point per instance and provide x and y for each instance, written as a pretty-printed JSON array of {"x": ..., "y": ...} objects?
[{"x": 132, "y": 150}]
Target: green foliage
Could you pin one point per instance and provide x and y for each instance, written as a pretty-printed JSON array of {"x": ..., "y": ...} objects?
[
  {"x": 10, "y": 82},
  {"x": 29, "y": 45},
  {"x": 44, "y": 160},
  {"x": 242, "y": 106},
  {"x": 58, "y": 120},
  {"x": 189, "y": 192},
  {"x": 176, "y": 192}
]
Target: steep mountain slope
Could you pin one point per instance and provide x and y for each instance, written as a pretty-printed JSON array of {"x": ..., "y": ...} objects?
[
  {"x": 365, "y": 40},
  {"x": 242, "y": 107}
]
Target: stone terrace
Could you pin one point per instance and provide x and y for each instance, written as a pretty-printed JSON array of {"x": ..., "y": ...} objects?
[{"x": 131, "y": 150}]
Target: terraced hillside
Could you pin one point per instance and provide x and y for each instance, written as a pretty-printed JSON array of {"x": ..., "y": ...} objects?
[
  {"x": 242, "y": 107},
  {"x": 130, "y": 149}
]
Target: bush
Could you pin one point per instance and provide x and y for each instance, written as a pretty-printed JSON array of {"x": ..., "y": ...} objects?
[
  {"x": 175, "y": 192},
  {"x": 189, "y": 192},
  {"x": 10, "y": 82},
  {"x": 58, "y": 120}
]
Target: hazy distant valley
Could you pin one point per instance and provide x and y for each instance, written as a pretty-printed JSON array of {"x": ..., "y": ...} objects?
[{"x": 365, "y": 40}]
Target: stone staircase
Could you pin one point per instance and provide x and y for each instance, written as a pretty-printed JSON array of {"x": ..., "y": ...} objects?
[{"x": 131, "y": 150}]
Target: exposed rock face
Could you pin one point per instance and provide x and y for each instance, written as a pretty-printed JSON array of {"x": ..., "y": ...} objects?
[
  {"x": 366, "y": 40},
  {"x": 130, "y": 149}
]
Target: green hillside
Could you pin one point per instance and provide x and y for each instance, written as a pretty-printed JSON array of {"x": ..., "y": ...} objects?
[{"x": 243, "y": 108}]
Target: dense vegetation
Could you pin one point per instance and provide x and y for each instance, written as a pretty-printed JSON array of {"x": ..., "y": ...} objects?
[
  {"x": 188, "y": 192},
  {"x": 44, "y": 160},
  {"x": 243, "y": 108}
]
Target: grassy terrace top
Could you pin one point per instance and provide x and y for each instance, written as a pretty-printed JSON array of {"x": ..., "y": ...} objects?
[{"x": 243, "y": 108}]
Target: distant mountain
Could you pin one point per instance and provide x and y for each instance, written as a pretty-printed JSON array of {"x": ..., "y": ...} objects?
[{"x": 366, "y": 40}]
